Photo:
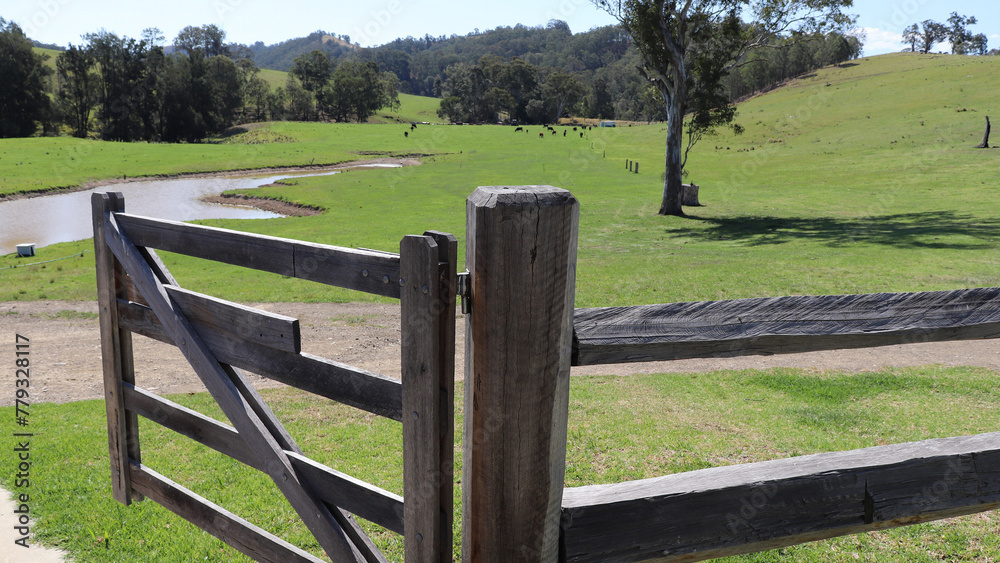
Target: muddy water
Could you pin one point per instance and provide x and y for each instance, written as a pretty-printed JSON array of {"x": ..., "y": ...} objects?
[{"x": 64, "y": 217}]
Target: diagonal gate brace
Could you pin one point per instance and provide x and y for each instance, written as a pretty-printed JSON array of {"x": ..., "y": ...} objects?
[{"x": 220, "y": 379}]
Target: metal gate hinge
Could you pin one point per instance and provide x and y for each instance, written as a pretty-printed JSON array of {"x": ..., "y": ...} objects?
[{"x": 465, "y": 291}]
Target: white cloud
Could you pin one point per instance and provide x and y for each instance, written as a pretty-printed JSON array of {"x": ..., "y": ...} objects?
[{"x": 879, "y": 41}]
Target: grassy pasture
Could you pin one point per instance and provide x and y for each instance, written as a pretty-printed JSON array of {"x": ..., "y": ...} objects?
[
  {"x": 836, "y": 186},
  {"x": 860, "y": 178},
  {"x": 620, "y": 428}
]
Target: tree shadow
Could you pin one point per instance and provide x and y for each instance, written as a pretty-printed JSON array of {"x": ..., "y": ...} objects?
[{"x": 926, "y": 230}]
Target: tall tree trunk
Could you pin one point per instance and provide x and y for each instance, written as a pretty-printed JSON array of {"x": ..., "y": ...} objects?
[
  {"x": 671, "y": 204},
  {"x": 986, "y": 136}
]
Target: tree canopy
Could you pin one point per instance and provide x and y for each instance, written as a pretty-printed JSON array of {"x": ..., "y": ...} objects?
[
  {"x": 924, "y": 35},
  {"x": 23, "y": 101},
  {"x": 141, "y": 89},
  {"x": 689, "y": 47}
]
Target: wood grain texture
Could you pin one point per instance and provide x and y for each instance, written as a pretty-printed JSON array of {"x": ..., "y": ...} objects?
[
  {"x": 361, "y": 270},
  {"x": 333, "y": 487},
  {"x": 780, "y": 325},
  {"x": 219, "y": 382},
  {"x": 360, "y": 544},
  {"x": 243, "y": 536},
  {"x": 744, "y": 508},
  {"x": 521, "y": 255},
  {"x": 352, "y": 386},
  {"x": 116, "y": 352},
  {"x": 239, "y": 321},
  {"x": 428, "y": 372}
]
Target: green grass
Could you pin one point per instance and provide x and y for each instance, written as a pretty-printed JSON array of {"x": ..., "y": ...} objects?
[
  {"x": 50, "y": 53},
  {"x": 858, "y": 179},
  {"x": 839, "y": 188},
  {"x": 620, "y": 428},
  {"x": 413, "y": 109},
  {"x": 274, "y": 78}
]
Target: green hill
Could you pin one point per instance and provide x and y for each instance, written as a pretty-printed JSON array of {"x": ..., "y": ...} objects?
[
  {"x": 888, "y": 127},
  {"x": 412, "y": 108},
  {"x": 52, "y": 54}
]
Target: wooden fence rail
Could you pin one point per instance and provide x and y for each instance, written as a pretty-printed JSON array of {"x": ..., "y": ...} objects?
[
  {"x": 781, "y": 325},
  {"x": 515, "y": 401},
  {"x": 138, "y": 295},
  {"x": 751, "y": 507}
]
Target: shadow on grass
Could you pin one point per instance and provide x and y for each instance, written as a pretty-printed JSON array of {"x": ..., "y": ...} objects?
[{"x": 930, "y": 230}]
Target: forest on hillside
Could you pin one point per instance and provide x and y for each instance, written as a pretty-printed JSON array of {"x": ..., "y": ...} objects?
[
  {"x": 122, "y": 88},
  {"x": 603, "y": 61}
]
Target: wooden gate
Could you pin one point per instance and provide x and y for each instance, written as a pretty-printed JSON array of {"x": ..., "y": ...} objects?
[{"x": 138, "y": 295}]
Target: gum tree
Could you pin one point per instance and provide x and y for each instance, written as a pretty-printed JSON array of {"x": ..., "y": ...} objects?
[{"x": 689, "y": 46}]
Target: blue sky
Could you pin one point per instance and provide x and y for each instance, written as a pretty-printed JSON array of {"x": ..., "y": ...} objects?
[{"x": 373, "y": 22}]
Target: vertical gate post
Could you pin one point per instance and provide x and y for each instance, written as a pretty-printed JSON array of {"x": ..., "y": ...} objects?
[
  {"x": 427, "y": 268},
  {"x": 116, "y": 351},
  {"x": 521, "y": 256}
]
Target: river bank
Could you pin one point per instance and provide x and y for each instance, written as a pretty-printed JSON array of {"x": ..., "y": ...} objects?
[{"x": 233, "y": 173}]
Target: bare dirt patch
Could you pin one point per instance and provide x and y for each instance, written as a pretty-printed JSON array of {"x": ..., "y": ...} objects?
[
  {"x": 278, "y": 206},
  {"x": 66, "y": 350}
]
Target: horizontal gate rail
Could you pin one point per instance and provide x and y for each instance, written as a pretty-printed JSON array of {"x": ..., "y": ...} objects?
[
  {"x": 230, "y": 319},
  {"x": 237, "y": 532},
  {"x": 333, "y": 487},
  {"x": 362, "y": 270},
  {"x": 346, "y": 384},
  {"x": 750, "y": 507},
  {"x": 781, "y": 325}
]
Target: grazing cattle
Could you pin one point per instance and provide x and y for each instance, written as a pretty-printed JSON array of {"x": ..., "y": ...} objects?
[
  {"x": 564, "y": 132},
  {"x": 406, "y": 133},
  {"x": 413, "y": 126},
  {"x": 519, "y": 129},
  {"x": 581, "y": 134},
  {"x": 541, "y": 135}
]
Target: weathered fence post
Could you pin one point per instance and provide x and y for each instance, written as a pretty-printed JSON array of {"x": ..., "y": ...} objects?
[
  {"x": 427, "y": 268},
  {"x": 521, "y": 255},
  {"x": 116, "y": 351}
]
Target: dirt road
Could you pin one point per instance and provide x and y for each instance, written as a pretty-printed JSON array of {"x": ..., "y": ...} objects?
[{"x": 66, "y": 351}]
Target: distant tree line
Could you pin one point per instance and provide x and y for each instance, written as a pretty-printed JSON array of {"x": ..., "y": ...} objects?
[
  {"x": 788, "y": 58},
  {"x": 125, "y": 89},
  {"x": 350, "y": 90},
  {"x": 494, "y": 89},
  {"x": 188, "y": 90},
  {"x": 497, "y": 90},
  {"x": 281, "y": 56},
  {"x": 550, "y": 71},
  {"x": 922, "y": 36}
]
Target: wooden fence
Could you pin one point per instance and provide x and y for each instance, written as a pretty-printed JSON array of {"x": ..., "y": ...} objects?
[
  {"x": 138, "y": 295},
  {"x": 525, "y": 334}
]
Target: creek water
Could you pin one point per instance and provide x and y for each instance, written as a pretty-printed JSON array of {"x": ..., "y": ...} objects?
[{"x": 65, "y": 217}]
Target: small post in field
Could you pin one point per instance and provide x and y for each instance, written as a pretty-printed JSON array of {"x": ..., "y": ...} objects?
[{"x": 521, "y": 255}]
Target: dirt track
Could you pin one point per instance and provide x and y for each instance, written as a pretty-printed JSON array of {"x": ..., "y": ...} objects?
[{"x": 66, "y": 353}]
